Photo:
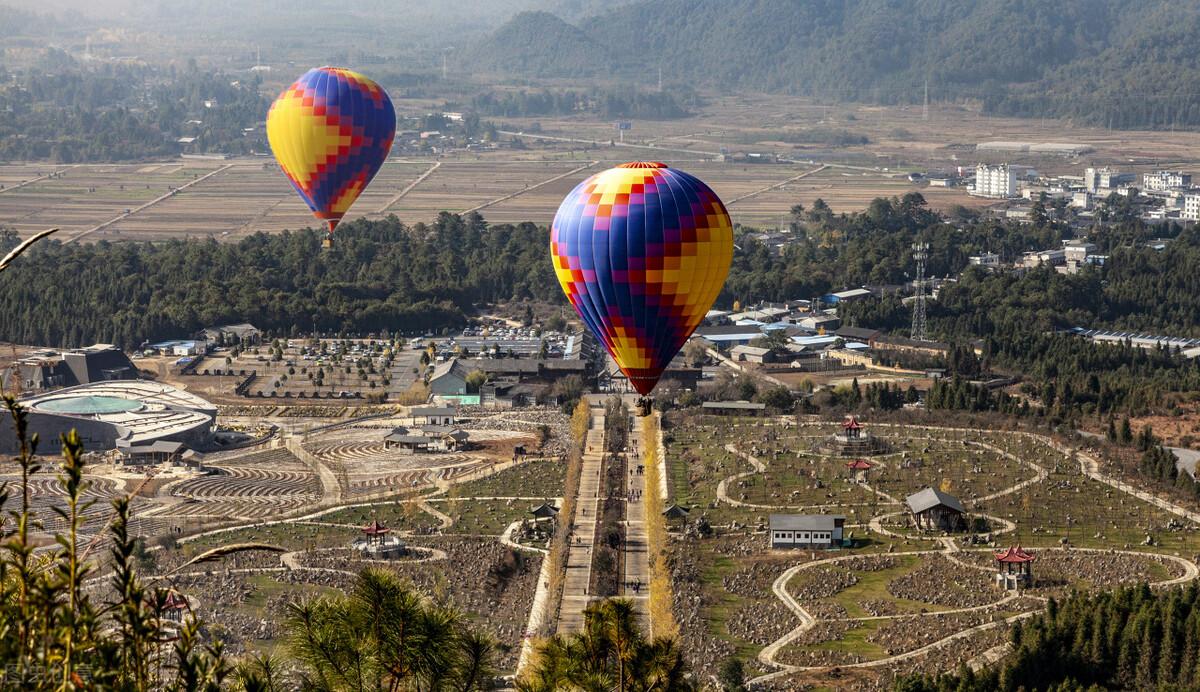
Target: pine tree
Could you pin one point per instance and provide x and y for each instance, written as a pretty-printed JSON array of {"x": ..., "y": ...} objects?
[{"x": 1126, "y": 435}]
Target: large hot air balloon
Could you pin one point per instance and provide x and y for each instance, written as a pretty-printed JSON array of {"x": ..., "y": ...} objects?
[
  {"x": 641, "y": 251},
  {"x": 331, "y": 131}
]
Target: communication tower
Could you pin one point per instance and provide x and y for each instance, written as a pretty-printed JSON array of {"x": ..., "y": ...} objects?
[{"x": 920, "y": 254}]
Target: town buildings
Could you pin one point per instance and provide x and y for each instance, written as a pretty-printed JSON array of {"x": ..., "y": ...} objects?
[{"x": 995, "y": 181}]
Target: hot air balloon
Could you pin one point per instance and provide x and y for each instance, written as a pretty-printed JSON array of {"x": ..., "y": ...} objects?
[
  {"x": 642, "y": 250},
  {"x": 331, "y": 131}
]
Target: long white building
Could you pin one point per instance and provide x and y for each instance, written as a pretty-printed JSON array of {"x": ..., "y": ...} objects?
[
  {"x": 995, "y": 181},
  {"x": 1161, "y": 181}
]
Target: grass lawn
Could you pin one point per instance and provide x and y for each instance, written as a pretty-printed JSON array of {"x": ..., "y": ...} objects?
[
  {"x": 487, "y": 517},
  {"x": 854, "y": 641},
  {"x": 401, "y": 516},
  {"x": 530, "y": 479}
]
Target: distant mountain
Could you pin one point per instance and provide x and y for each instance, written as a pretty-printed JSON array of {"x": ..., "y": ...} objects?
[
  {"x": 540, "y": 44},
  {"x": 1101, "y": 61}
]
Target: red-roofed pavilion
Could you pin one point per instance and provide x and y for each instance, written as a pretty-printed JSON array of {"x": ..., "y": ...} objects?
[
  {"x": 1014, "y": 568},
  {"x": 375, "y": 531},
  {"x": 858, "y": 469},
  {"x": 851, "y": 427}
]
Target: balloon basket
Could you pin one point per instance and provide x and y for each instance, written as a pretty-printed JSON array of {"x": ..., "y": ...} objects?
[
  {"x": 644, "y": 405},
  {"x": 327, "y": 242}
]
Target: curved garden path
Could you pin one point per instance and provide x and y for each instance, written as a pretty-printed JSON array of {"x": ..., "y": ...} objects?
[{"x": 1088, "y": 465}]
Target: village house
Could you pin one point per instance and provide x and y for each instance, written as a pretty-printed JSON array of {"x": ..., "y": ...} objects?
[
  {"x": 805, "y": 531},
  {"x": 934, "y": 510}
]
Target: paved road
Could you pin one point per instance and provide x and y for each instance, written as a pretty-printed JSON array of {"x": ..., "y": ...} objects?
[
  {"x": 636, "y": 583},
  {"x": 1185, "y": 459},
  {"x": 576, "y": 593}
]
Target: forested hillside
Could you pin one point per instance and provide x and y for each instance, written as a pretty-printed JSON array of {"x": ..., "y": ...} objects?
[
  {"x": 69, "y": 112},
  {"x": 1100, "y": 62},
  {"x": 539, "y": 43},
  {"x": 1131, "y": 639}
]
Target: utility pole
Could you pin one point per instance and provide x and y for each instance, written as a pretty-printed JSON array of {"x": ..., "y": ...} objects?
[
  {"x": 660, "y": 79},
  {"x": 920, "y": 254},
  {"x": 925, "y": 108}
]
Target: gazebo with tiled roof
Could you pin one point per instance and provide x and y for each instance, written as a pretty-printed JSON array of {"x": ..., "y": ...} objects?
[
  {"x": 1014, "y": 568},
  {"x": 378, "y": 544},
  {"x": 852, "y": 441},
  {"x": 174, "y": 606},
  {"x": 375, "y": 531},
  {"x": 858, "y": 469}
]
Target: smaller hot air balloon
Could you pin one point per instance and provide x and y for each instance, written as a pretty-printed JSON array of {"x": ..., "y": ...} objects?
[
  {"x": 331, "y": 131},
  {"x": 642, "y": 251}
]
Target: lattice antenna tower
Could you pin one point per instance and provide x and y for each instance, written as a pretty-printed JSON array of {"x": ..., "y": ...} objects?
[{"x": 920, "y": 254}]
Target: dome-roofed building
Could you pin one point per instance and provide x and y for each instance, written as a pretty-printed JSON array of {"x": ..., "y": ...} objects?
[{"x": 131, "y": 415}]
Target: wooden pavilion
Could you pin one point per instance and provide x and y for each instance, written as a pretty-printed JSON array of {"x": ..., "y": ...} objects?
[{"x": 1014, "y": 568}]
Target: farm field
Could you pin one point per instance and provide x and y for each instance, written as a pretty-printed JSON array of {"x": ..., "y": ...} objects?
[{"x": 248, "y": 195}]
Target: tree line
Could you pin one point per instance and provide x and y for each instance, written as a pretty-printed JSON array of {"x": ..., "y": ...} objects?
[
  {"x": 603, "y": 102},
  {"x": 386, "y": 275},
  {"x": 1130, "y": 638},
  {"x": 379, "y": 275}
]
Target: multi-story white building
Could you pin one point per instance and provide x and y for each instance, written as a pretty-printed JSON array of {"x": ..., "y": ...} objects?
[
  {"x": 1191, "y": 207},
  {"x": 995, "y": 181},
  {"x": 1078, "y": 250},
  {"x": 1106, "y": 179},
  {"x": 1166, "y": 180},
  {"x": 989, "y": 260},
  {"x": 1036, "y": 258}
]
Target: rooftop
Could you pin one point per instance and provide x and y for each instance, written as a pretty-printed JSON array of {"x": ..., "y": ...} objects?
[
  {"x": 1014, "y": 554},
  {"x": 427, "y": 411},
  {"x": 805, "y": 522},
  {"x": 153, "y": 410},
  {"x": 930, "y": 498},
  {"x": 734, "y": 405}
]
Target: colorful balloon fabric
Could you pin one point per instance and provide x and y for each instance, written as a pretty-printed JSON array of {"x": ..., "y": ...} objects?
[
  {"x": 331, "y": 131},
  {"x": 642, "y": 250}
]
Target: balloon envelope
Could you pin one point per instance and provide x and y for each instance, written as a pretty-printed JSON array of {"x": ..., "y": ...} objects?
[
  {"x": 330, "y": 131},
  {"x": 642, "y": 250}
]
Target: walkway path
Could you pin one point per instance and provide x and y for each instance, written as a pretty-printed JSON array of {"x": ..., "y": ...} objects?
[
  {"x": 1088, "y": 465},
  {"x": 331, "y": 489},
  {"x": 576, "y": 589},
  {"x": 1091, "y": 468},
  {"x": 636, "y": 582},
  {"x": 408, "y": 188},
  {"x": 760, "y": 467}
]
